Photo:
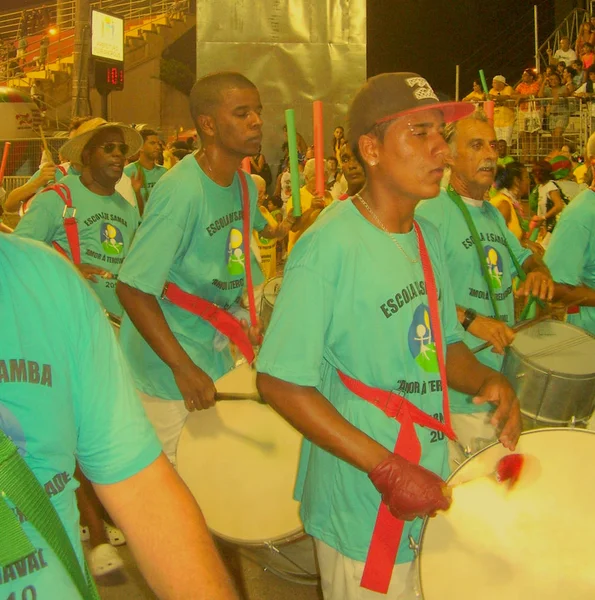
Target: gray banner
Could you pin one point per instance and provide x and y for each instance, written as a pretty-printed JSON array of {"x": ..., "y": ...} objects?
[{"x": 295, "y": 51}]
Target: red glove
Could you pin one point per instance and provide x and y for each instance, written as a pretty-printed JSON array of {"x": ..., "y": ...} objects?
[{"x": 409, "y": 490}]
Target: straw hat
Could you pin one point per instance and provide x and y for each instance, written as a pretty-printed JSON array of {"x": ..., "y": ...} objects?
[{"x": 73, "y": 148}]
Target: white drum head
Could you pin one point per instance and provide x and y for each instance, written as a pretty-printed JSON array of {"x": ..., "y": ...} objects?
[
  {"x": 239, "y": 460},
  {"x": 534, "y": 541}
]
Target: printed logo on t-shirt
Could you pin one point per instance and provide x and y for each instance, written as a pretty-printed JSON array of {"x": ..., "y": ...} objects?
[
  {"x": 12, "y": 428},
  {"x": 235, "y": 252},
  {"x": 111, "y": 239},
  {"x": 494, "y": 264},
  {"x": 421, "y": 340}
]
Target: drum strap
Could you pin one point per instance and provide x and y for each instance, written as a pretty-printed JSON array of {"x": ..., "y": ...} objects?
[
  {"x": 388, "y": 530},
  {"x": 70, "y": 225},
  {"x": 19, "y": 484},
  {"x": 220, "y": 319}
]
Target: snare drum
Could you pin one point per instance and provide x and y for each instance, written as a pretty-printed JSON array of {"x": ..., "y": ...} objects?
[
  {"x": 271, "y": 291},
  {"x": 551, "y": 367},
  {"x": 240, "y": 461},
  {"x": 533, "y": 541}
]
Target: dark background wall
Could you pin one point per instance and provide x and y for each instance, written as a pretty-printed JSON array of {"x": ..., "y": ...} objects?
[{"x": 431, "y": 37}]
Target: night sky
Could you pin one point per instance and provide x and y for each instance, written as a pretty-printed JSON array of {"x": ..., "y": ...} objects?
[{"x": 430, "y": 37}]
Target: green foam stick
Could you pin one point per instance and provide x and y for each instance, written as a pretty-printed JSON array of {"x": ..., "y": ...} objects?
[
  {"x": 293, "y": 161},
  {"x": 484, "y": 83}
]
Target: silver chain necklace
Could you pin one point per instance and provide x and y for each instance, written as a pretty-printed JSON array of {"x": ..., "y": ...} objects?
[{"x": 381, "y": 225}]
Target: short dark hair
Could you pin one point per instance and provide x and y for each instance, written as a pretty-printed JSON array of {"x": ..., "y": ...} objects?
[
  {"x": 146, "y": 133},
  {"x": 591, "y": 69},
  {"x": 505, "y": 175},
  {"x": 205, "y": 95}
]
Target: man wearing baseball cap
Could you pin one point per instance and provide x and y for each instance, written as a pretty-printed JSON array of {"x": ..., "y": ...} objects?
[
  {"x": 364, "y": 378},
  {"x": 501, "y": 93},
  {"x": 83, "y": 216}
]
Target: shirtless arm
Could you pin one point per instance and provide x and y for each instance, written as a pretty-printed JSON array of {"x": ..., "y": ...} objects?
[
  {"x": 317, "y": 419},
  {"x": 175, "y": 553}
]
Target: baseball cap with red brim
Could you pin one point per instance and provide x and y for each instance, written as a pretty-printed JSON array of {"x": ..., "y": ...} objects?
[{"x": 388, "y": 96}]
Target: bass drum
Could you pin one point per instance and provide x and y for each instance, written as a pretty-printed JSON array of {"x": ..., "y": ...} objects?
[
  {"x": 240, "y": 461},
  {"x": 532, "y": 541}
]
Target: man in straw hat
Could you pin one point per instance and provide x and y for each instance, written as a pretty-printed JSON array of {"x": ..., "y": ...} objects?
[
  {"x": 373, "y": 357},
  {"x": 84, "y": 216},
  {"x": 20, "y": 198},
  {"x": 191, "y": 262},
  {"x": 67, "y": 395},
  {"x": 483, "y": 258}
]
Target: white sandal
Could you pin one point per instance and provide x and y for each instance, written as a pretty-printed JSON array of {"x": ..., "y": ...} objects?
[
  {"x": 104, "y": 559},
  {"x": 114, "y": 535}
]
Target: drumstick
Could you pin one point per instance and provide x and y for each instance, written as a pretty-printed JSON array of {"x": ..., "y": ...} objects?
[
  {"x": 45, "y": 145},
  {"x": 238, "y": 396}
]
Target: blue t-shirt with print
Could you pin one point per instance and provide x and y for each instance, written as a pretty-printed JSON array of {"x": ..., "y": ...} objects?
[
  {"x": 191, "y": 235},
  {"x": 106, "y": 226},
  {"x": 570, "y": 254},
  {"x": 65, "y": 393},
  {"x": 352, "y": 301},
  {"x": 466, "y": 276}
]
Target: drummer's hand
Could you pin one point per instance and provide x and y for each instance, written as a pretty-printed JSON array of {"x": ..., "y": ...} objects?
[
  {"x": 90, "y": 272},
  {"x": 496, "y": 332},
  {"x": 507, "y": 417},
  {"x": 254, "y": 332},
  {"x": 318, "y": 202},
  {"x": 198, "y": 389},
  {"x": 409, "y": 490},
  {"x": 538, "y": 283}
]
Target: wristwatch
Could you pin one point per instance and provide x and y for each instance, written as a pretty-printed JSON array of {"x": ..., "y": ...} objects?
[{"x": 470, "y": 315}]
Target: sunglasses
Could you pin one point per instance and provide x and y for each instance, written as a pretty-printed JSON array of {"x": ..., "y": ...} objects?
[{"x": 111, "y": 146}]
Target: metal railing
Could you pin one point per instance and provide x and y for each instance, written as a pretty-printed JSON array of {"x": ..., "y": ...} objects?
[
  {"x": 541, "y": 126},
  {"x": 32, "y": 62},
  {"x": 570, "y": 27},
  {"x": 25, "y": 156}
]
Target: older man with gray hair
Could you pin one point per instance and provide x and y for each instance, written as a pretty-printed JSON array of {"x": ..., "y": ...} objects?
[
  {"x": 483, "y": 258},
  {"x": 311, "y": 203}
]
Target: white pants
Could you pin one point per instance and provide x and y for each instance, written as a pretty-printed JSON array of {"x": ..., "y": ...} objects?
[
  {"x": 474, "y": 432},
  {"x": 168, "y": 418},
  {"x": 504, "y": 133},
  {"x": 340, "y": 578}
]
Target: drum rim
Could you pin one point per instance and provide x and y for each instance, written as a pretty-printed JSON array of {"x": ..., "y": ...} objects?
[
  {"x": 534, "y": 365},
  {"x": 419, "y": 547},
  {"x": 287, "y": 538}
]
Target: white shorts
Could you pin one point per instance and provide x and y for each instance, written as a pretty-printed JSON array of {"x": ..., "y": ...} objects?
[
  {"x": 340, "y": 578},
  {"x": 474, "y": 432},
  {"x": 504, "y": 133},
  {"x": 168, "y": 418}
]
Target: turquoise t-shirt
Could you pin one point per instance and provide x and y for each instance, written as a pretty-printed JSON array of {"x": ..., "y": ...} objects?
[
  {"x": 192, "y": 236},
  {"x": 570, "y": 254},
  {"x": 65, "y": 393},
  {"x": 469, "y": 287},
  {"x": 150, "y": 177},
  {"x": 352, "y": 301},
  {"x": 106, "y": 226}
]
